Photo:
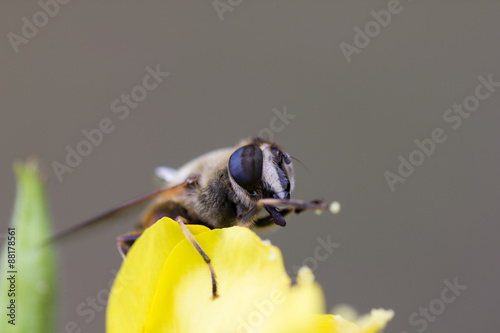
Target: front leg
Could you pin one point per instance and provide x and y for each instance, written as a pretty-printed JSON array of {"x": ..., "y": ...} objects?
[{"x": 295, "y": 205}]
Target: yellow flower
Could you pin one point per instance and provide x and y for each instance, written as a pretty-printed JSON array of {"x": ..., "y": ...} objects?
[{"x": 164, "y": 286}]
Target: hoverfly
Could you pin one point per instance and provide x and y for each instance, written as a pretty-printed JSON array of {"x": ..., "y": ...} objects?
[{"x": 247, "y": 185}]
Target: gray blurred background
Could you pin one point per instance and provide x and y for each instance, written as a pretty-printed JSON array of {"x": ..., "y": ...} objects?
[{"x": 351, "y": 122}]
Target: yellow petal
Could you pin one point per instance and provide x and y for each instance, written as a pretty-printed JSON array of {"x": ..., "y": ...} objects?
[
  {"x": 251, "y": 279},
  {"x": 136, "y": 283},
  {"x": 165, "y": 286},
  {"x": 376, "y": 321},
  {"x": 303, "y": 303}
]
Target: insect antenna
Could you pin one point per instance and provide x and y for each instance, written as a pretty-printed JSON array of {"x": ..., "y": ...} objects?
[{"x": 300, "y": 162}]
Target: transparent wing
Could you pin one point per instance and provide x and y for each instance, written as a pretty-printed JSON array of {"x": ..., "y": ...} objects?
[{"x": 166, "y": 174}]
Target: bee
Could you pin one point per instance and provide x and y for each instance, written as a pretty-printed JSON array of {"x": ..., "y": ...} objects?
[{"x": 248, "y": 185}]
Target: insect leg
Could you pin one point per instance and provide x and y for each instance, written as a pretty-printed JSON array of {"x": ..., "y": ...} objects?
[
  {"x": 268, "y": 220},
  {"x": 125, "y": 242},
  {"x": 298, "y": 206},
  {"x": 182, "y": 222}
]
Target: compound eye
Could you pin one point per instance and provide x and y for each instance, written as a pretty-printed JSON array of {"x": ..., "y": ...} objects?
[{"x": 245, "y": 166}]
